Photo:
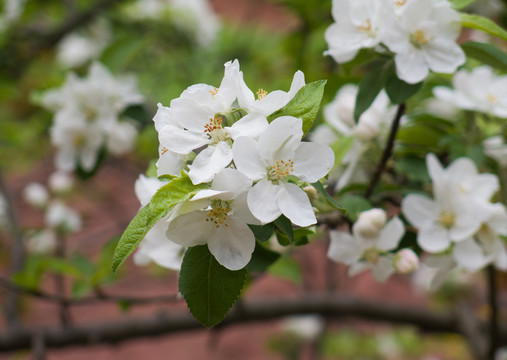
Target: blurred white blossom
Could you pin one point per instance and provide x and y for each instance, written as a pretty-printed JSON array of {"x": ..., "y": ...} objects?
[
  {"x": 496, "y": 147},
  {"x": 307, "y": 327},
  {"x": 12, "y": 10},
  {"x": 42, "y": 242},
  {"x": 36, "y": 195},
  {"x": 62, "y": 218},
  {"x": 60, "y": 182}
]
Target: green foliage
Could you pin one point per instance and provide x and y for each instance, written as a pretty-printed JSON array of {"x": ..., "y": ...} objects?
[
  {"x": 288, "y": 269},
  {"x": 340, "y": 148},
  {"x": 262, "y": 232},
  {"x": 478, "y": 22},
  {"x": 304, "y": 105},
  {"x": 461, "y": 4},
  {"x": 355, "y": 204},
  {"x": 369, "y": 88},
  {"x": 398, "y": 90},
  {"x": 262, "y": 258},
  {"x": 208, "y": 288},
  {"x": 486, "y": 53},
  {"x": 320, "y": 188},
  {"x": 284, "y": 226},
  {"x": 168, "y": 196}
]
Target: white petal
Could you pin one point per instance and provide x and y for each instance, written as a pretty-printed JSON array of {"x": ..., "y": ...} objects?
[
  {"x": 247, "y": 159},
  {"x": 262, "y": 201},
  {"x": 280, "y": 140},
  {"x": 181, "y": 141},
  {"x": 433, "y": 239},
  {"x": 419, "y": 210},
  {"x": 251, "y": 125},
  {"x": 469, "y": 255},
  {"x": 410, "y": 66},
  {"x": 383, "y": 269},
  {"x": 209, "y": 162},
  {"x": 443, "y": 55},
  {"x": 190, "y": 229},
  {"x": 295, "y": 205},
  {"x": 313, "y": 161},
  {"x": 231, "y": 180},
  {"x": 391, "y": 234},
  {"x": 241, "y": 210},
  {"x": 343, "y": 247},
  {"x": 232, "y": 246}
]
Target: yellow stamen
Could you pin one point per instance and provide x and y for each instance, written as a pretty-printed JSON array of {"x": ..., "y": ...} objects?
[
  {"x": 281, "y": 169},
  {"x": 492, "y": 98},
  {"x": 447, "y": 219},
  {"x": 261, "y": 94},
  {"x": 213, "y": 92},
  {"x": 214, "y": 124},
  {"x": 419, "y": 38}
]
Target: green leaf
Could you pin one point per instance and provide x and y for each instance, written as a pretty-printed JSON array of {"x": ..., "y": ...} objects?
[
  {"x": 137, "y": 113},
  {"x": 340, "y": 148},
  {"x": 478, "y": 22},
  {"x": 486, "y": 53},
  {"x": 301, "y": 235},
  {"x": 117, "y": 56},
  {"x": 287, "y": 268},
  {"x": 355, "y": 204},
  {"x": 262, "y": 232},
  {"x": 304, "y": 105},
  {"x": 285, "y": 227},
  {"x": 209, "y": 288},
  {"x": 461, "y": 4},
  {"x": 369, "y": 88},
  {"x": 320, "y": 188},
  {"x": 169, "y": 195},
  {"x": 262, "y": 258},
  {"x": 399, "y": 91}
]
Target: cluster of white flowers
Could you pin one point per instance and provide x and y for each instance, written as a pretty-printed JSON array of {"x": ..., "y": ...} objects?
[
  {"x": 87, "y": 117},
  {"x": 76, "y": 48},
  {"x": 59, "y": 218},
  {"x": 421, "y": 33},
  {"x": 194, "y": 16},
  {"x": 371, "y": 246},
  {"x": 255, "y": 169},
  {"x": 339, "y": 116},
  {"x": 461, "y": 219}
]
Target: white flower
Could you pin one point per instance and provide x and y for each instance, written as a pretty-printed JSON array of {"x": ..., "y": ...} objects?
[
  {"x": 481, "y": 90},
  {"x": 423, "y": 38},
  {"x": 358, "y": 24},
  {"x": 60, "y": 182},
  {"x": 36, "y": 194},
  {"x": 368, "y": 246},
  {"x": 12, "y": 10},
  {"x": 307, "y": 327},
  {"x": 121, "y": 138},
  {"x": 406, "y": 261},
  {"x": 434, "y": 271},
  {"x": 496, "y": 147},
  {"x": 156, "y": 246},
  {"x": 62, "y": 218},
  {"x": 77, "y": 48},
  {"x": 42, "y": 242},
  {"x": 277, "y": 154},
  {"x": 218, "y": 217},
  {"x": 198, "y": 17},
  {"x": 198, "y": 118}
]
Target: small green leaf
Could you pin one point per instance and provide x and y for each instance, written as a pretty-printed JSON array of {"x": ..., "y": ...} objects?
[
  {"x": 369, "y": 88},
  {"x": 478, "y": 22},
  {"x": 320, "y": 188},
  {"x": 80, "y": 288},
  {"x": 486, "y": 53},
  {"x": 461, "y": 4},
  {"x": 285, "y": 226},
  {"x": 355, "y": 205},
  {"x": 287, "y": 268},
  {"x": 169, "y": 195},
  {"x": 304, "y": 105},
  {"x": 340, "y": 148},
  {"x": 117, "y": 56},
  {"x": 262, "y": 258},
  {"x": 262, "y": 232},
  {"x": 208, "y": 288},
  {"x": 399, "y": 91}
]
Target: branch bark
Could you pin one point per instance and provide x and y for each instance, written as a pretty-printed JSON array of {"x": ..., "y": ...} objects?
[{"x": 335, "y": 307}]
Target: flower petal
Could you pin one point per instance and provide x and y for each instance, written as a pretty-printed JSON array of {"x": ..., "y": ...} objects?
[
  {"x": 181, "y": 141},
  {"x": 247, "y": 159},
  {"x": 419, "y": 210},
  {"x": 232, "y": 246},
  {"x": 189, "y": 229},
  {"x": 433, "y": 239},
  {"x": 209, "y": 162},
  {"x": 280, "y": 140},
  {"x": 470, "y": 255},
  {"x": 312, "y": 161},
  {"x": 343, "y": 247},
  {"x": 262, "y": 201},
  {"x": 295, "y": 205},
  {"x": 391, "y": 234},
  {"x": 231, "y": 180}
]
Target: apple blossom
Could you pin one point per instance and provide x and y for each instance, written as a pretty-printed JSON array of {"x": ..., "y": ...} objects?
[
  {"x": 277, "y": 154},
  {"x": 218, "y": 217},
  {"x": 369, "y": 245},
  {"x": 62, "y": 218},
  {"x": 496, "y": 148},
  {"x": 480, "y": 90},
  {"x": 423, "y": 37},
  {"x": 42, "y": 242},
  {"x": 406, "y": 261},
  {"x": 60, "y": 182},
  {"x": 36, "y": 194}
]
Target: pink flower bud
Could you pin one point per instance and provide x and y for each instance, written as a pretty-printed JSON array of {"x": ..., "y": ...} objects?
[{"x": 406, "y": 261}]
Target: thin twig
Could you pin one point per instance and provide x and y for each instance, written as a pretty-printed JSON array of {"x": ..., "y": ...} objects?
[
  {"x": 387, "y": 152},
  {"x": 493, "y": 312}
]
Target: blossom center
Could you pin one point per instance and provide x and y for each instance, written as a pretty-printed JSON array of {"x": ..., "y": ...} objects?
[
  {"x": 261, "y": 94},
  {"x": 446, "y": 218},
  {"x": 213, "y": 92},
  {"x": 371, "y": 256},
  {"x": 218, "y": 213},
  {"x": 400, "y": 2},
  {"x": 419, "y": 38},
  {"x": 79, "y": 141},
  {"x": 280, "y": 169},
  {"x": 366, "y": 28},
  {"x": 492, "y": 98},
  {"x": 214, "y": 129}
]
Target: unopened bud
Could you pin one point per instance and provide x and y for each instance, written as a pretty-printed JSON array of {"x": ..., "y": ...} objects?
[
  {"x": 370, "y": 222},
  {"x": 36, "y": 195},
  {"x": 405, "y": 261},
  {"x": 311, "y": 192},
  {"x": 60, "y": 182}
]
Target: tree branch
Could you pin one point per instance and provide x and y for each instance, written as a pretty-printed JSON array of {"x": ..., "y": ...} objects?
[
  {"x": 387, "y": 152},
  {"x": 336, "y": 307}
]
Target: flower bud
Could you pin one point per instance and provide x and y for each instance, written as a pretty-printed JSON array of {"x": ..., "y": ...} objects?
[
  {"x": 370, "y": 222},
  {"x": 405, "y": 261},
  {"x": 311, "y": 192},
  {"x": 36, "y": 195},
  {"x": 60, "y": 182}
]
